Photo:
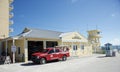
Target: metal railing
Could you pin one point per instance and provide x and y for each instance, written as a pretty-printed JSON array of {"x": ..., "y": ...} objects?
[{"x": 11, "y": 1}]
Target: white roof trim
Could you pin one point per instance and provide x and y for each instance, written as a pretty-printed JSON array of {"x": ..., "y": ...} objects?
[
  {"x": 24, "y": 34},
  {"x": 73, "y": 40},
  {"x": 64, "y": 34},
  {"x": 16, "y": 37}
]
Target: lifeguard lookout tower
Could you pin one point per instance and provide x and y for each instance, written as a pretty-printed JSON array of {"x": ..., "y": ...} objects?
[{"x": 94, "y": 39}]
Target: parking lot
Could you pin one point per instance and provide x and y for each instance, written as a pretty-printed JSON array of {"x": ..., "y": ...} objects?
[{"x": 95, "y": 63}]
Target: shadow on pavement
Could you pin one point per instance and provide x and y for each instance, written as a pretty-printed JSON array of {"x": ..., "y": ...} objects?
[
  {"x": 101, "y": 57},
  {"x": 29, "y": 64},
  {"x": 32, "y": 64}
]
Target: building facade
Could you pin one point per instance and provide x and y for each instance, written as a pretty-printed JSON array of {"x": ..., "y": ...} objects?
[
  {"x": 94, "y": 39},
  {"x": 6, "y": 21},
  {"x": 37, "y": 39},
  {"x": 79, "y": 45},
  {"x": 6, "y": 14}
]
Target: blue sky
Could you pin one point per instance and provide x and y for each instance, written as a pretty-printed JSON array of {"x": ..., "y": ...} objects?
[{"x": 69, "y": 15}]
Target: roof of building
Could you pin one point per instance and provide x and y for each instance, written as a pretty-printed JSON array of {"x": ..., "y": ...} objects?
[
  {"x": 48, "y": 34},
  {"x": 40, "y": 33},
  {"x": 108, "y": 44},
  {"x": 65, "y": 34}
]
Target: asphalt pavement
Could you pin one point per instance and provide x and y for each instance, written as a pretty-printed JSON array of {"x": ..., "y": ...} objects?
[{"x": 94, "y": 63}]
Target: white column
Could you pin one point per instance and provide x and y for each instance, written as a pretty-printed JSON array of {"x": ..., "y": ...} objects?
[
  {"x": 13, "y": 52},
  {"x": 72, "y": 49},
  {"x": 13, "y": 57},
  {"x": 44, "y": 44},
  {"x": 26, "y": 50},
  {"x": 62, "y": 45}
]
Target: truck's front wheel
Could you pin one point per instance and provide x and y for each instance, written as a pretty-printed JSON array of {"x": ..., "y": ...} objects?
[{"x": 42, "y": 61}]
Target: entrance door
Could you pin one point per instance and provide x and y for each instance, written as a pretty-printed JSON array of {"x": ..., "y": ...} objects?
[
  {"x": 74, "y": 50},
  {"x": 34, "y": 46},
  {"x": 52, "y": 55}
]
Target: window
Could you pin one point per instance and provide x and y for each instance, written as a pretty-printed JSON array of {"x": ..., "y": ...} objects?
[
  {"x": 57, "y": 50},
  {"x": 82, "y": 47},
  {"x": 51, "y": 51},
  {"x": 74, "y": 47},
  {"x": 108, "y": 48},
  {"x": 98, "y": 32},
  {"x": 60, "y": 37},
  {"x": 18, "y": 50}
]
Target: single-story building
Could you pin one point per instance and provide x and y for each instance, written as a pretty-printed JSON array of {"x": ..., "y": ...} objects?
[{"x": 31, "y": 40}]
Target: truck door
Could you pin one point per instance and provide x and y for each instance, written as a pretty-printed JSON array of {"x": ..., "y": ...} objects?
[
  {"x": 52, "y": 54},
  {"x": 57, "y": 53}
]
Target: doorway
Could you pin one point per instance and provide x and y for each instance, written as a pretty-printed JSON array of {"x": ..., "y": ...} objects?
[
  {"x": 74, "y": 50},
  {"x": 34, "y": 46},
  {"x": 51, "y": 43}
]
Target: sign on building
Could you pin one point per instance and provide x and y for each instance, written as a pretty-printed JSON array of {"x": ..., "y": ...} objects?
[{"x": 13, "y": 48}]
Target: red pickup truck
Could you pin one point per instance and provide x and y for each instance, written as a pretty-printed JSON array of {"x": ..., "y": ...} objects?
[{"x": 49, "y": 54}]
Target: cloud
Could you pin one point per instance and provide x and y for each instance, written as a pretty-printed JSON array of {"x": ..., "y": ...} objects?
[
  {"x": 115, "y": 41},
  {"x": 73, "y": 1}
]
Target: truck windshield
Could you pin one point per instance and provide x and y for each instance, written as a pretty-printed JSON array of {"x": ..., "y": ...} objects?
[{"x": 45, "y": 51}]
